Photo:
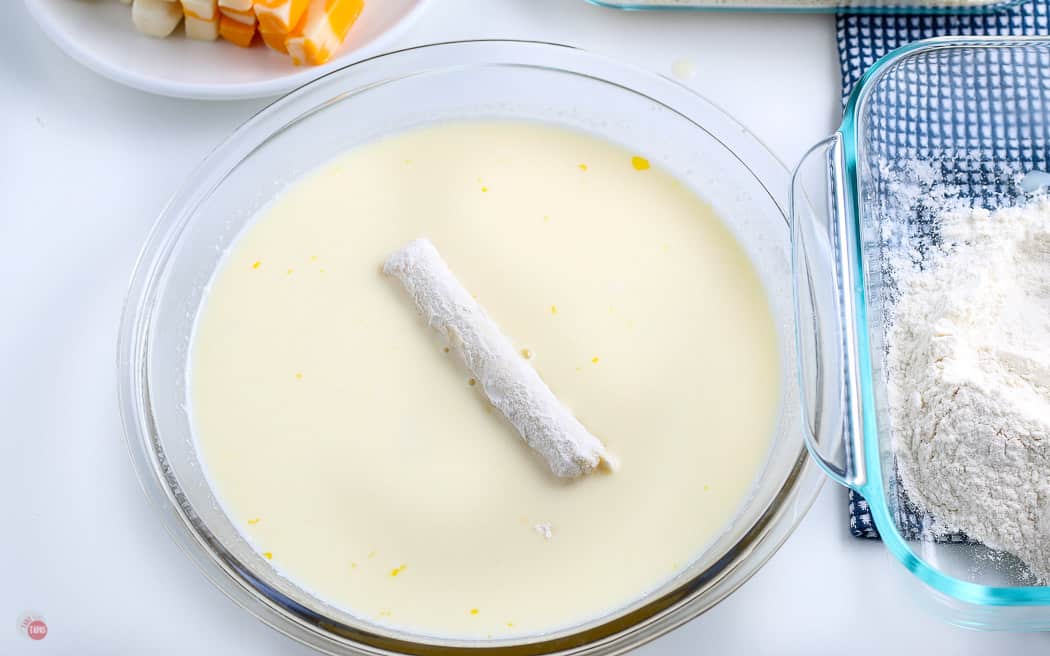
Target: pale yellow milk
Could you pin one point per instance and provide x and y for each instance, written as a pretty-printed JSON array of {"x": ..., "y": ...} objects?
[{"x": 351, "y": 449}]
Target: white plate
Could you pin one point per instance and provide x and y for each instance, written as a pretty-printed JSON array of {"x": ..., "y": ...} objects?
[{"x": 99, "y": 34}]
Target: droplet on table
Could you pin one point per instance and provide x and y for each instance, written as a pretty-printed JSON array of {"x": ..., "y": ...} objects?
[{"x": 683, "y": 69}]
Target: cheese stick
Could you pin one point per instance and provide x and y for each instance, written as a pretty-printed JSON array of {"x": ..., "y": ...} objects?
[{"x": 510, "y": 384}]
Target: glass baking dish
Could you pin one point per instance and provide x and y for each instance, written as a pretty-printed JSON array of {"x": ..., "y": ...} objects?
[
  {"x": 925, "y": 7},
  {"x": 958, "y": 119}
]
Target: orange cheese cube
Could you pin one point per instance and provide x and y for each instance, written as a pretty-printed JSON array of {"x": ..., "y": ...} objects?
[
  {"x": 236, "y": 5},
  {"x": 321, "y": 30},
  {"x": 236, "y": 32},
  {"x": 275, "y": 40},
  {"x": 279, "y": 16},
  {"x": 247, "y": 17}
]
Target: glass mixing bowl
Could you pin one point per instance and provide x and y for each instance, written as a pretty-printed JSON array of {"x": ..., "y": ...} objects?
[{"x": 678, "y": 130}]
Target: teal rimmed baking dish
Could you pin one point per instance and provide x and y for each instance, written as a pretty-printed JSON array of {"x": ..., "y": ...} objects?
[
  {"x": 914, "y": 7},
  {"x": 940, "y": 122}
]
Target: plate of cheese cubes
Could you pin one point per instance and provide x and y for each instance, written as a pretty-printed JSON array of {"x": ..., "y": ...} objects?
[{"x": 221, "y": 49}]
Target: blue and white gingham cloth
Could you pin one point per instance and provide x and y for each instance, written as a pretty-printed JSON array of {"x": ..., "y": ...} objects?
[
  {"x": 862, "y": 40},
  {"x": 911, "y": 133}
]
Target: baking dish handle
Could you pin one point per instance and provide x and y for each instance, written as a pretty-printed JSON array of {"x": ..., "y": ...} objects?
[{"x": 822, "y": 270}]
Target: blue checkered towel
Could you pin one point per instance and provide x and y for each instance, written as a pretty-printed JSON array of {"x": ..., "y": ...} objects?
[{"x": 863, "y": 39}]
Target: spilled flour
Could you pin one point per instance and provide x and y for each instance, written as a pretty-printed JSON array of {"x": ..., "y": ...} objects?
[{"x": 969, "y": 380}]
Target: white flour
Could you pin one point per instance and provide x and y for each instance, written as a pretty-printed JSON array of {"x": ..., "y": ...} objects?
[
  {"x": 969, "y": 380},
  {"x": 544, "y": 529}
]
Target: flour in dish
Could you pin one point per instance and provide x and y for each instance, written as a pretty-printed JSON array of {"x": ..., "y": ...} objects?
[{"x": 969, "y": 380}]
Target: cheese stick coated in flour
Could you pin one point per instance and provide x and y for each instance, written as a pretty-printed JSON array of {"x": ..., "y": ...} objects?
[{"x": 509, "y": 383}]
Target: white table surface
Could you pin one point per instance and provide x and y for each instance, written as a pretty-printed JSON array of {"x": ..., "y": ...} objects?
[{"x": 87, "y": 166}]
